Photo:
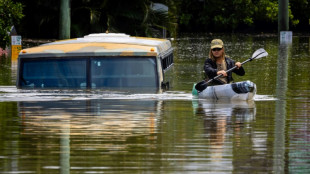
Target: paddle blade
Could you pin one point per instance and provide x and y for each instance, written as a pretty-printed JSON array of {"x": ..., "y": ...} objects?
[
  {"x": 194, "y": 90},
  {"x": 201, "y": 86},
  {"x": 259, "y": 53}
]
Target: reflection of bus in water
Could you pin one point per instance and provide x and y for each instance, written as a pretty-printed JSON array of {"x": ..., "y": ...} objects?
[
  {"x": 104, "y": 119},
  {"x": 100, "y": 132},
  {"x": 102, "y": 61}
]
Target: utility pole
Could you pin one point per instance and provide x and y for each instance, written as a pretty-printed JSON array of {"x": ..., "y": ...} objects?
[
  {"x": 283, "y": 19},
  {"x": 64, "y": 19}
]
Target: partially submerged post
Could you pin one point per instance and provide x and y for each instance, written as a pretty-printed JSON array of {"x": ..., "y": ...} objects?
[
  {"x": 16, "y": 44},
  {"x": 285, "y": 41}
]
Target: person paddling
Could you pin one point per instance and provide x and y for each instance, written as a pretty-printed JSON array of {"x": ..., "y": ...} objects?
[{"x": 218, "y": 63}]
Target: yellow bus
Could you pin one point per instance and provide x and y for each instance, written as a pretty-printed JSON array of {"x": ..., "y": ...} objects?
[{"x": 96, "y": 61}]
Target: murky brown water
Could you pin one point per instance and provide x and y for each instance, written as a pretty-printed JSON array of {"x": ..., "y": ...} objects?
[{"x": 76, "y": 132}]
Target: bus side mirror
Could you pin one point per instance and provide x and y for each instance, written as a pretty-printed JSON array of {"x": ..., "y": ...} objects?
[{"x": 165, "y": 85}]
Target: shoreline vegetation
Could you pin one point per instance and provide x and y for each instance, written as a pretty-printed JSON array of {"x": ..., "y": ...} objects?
[
  {"x": 30, "y": 42},
  {"x": 300, "y": 34}
]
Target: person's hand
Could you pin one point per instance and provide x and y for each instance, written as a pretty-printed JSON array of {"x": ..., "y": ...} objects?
[
  {"x": 238, "y": 64},
  {"x": 222, "y": 72}
]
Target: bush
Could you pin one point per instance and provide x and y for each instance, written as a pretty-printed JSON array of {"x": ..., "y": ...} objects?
[{"x": 10, "y": 14}]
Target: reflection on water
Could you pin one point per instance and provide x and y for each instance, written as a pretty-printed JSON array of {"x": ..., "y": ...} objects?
[
  {"x": 280, "y": 113},
  {"x": 221, "y": 122},
  {"x": 73, "y": 130},
  {"x": 130, "y": 135},
  {"x": 108, "y": 119}
]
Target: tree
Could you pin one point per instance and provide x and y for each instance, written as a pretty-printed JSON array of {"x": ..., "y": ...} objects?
[
  {"x": 300, "y": 10},
  {"x": 10, "y": 14},
  {"x": 135, "y": 17}
]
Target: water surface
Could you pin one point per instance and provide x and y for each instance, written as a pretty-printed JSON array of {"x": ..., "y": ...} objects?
[{"x": 171, "y": 132}]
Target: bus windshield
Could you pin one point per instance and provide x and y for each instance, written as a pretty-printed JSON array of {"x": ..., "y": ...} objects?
[{"x": 102, "y": 72}]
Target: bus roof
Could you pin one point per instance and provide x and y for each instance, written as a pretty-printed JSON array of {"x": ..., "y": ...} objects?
[{"x": 101, "y": 44}]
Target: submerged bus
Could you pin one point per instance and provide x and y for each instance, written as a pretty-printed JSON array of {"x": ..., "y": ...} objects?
[{"x": 96, "y": 61}]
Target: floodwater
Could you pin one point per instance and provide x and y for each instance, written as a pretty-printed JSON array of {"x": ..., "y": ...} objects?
[{"x": 172, "y": 132}]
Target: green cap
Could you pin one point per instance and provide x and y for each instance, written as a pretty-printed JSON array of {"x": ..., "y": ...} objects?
[{"x": 217, "y": 43}]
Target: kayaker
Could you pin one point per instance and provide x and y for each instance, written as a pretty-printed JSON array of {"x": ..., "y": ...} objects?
[{"x": 218, "y": 63}]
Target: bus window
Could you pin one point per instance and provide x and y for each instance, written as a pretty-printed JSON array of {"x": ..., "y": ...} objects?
[
  {"x": 53, "y": 73},
  {"x": 124, "y": 72}
]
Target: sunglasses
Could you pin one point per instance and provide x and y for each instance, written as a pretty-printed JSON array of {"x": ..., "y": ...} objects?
[{"x": 216, "y": 49}]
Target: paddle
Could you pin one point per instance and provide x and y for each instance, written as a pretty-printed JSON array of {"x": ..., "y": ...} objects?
[{"x": 256, "y": 55}]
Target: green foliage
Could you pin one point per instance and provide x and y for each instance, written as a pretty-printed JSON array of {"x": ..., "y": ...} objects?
[
  {"x": 185, "y": 18},
  {"x": 237, "y": 15},
  {"x": 136, "y": 17},
  {"x": 300, "y": 10},
  {"x": 291, "y": 17},
  {"x": 267, "y": 11},
  {"x": 10, "y": 14}
]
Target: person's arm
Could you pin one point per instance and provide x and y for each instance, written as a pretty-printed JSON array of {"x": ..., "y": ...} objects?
[
  {"x": 210, "y": 69},
  {"x": 239, "y": 70}
]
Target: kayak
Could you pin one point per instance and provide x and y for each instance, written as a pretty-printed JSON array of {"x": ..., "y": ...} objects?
[
  {"x": 244, "y": 90},
  {"x": 235, "y": 91}
]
